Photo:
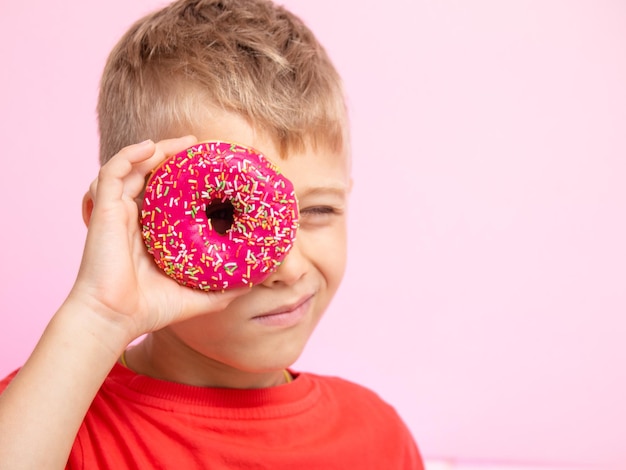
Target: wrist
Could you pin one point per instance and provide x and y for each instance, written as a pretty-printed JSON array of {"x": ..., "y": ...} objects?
[{"x": 96, "y": 323}]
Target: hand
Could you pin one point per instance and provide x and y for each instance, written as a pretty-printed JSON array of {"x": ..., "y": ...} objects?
[{"x": 118, "y": 279}]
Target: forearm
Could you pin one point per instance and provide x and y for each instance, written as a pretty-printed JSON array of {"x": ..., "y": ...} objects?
[
  {"x": 44, "y": 406},
  {"x": 119, "y": 295}
]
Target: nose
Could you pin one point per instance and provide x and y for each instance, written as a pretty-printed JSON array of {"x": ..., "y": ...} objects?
[{"x": 292, "y": 269}]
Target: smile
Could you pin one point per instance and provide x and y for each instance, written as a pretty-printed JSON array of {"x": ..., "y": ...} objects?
[{"x": 287, "y": 316}]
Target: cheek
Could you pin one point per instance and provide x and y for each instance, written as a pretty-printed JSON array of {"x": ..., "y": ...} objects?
[
  {"x": 199, "y": 331},
  {"x": 328, "y": 253}
]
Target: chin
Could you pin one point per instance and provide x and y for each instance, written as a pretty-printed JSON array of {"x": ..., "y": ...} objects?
[{"x": 273, "y": 358}]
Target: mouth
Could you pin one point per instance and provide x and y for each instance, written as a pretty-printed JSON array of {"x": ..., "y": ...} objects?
[{"x": 285, "y": 316}]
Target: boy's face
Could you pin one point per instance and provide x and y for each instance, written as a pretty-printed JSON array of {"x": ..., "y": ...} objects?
[{"x": 267, "y": 328}]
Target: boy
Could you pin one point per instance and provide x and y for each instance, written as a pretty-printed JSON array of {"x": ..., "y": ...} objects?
[{"x": 209, "y": 385}]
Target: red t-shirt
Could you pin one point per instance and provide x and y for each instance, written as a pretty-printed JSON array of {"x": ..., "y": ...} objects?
[{"x": 314, "y": 422}]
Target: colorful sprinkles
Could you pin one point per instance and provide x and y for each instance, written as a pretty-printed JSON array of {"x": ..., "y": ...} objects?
[{"x": 180, "y": 236}]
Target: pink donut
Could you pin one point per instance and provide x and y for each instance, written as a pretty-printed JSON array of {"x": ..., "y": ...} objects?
[{"x": 218, "y": 215}]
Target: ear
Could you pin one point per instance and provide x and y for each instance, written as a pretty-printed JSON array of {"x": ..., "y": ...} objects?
[{"x": 87, "y": 208}]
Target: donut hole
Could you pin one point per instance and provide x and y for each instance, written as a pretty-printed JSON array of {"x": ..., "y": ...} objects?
[{"x": 221, "y": 214}]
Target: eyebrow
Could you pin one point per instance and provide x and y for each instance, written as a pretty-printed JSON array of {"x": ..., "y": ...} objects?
[{"x": 339, "y": 190}]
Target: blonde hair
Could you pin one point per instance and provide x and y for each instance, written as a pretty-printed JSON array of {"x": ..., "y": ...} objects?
[{"x": 250, "y": 57}]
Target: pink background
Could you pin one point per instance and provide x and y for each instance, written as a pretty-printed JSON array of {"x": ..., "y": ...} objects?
[{"x": 486, "y": 292}]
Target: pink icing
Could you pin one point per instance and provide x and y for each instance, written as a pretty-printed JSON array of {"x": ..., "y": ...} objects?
[{"x": 179, "y": 233}]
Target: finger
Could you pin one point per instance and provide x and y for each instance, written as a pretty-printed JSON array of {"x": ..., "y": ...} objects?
[
  {"x": 135, "y": 182},
  {"x": 112, "y": 175},
  {"x": 125, "y": 173},
  {"x": 163, "y": 150},
  {"x": 93, "y": 188}
]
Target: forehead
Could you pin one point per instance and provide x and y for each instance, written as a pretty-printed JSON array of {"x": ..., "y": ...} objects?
[
  {"x": 316, "y": 172},
  {"x": 314, "y": 164}
]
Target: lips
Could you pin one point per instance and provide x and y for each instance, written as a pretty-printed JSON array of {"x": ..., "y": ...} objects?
[{"x": 285, "y": 316}]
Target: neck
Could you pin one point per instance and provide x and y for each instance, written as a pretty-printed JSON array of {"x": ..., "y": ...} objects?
[{"x": 163, "y": 357}]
